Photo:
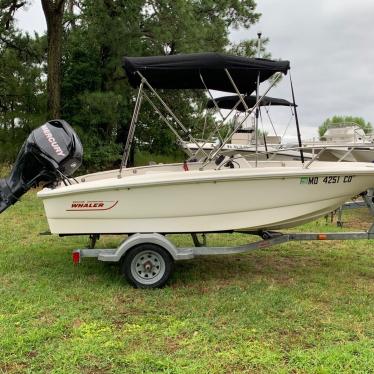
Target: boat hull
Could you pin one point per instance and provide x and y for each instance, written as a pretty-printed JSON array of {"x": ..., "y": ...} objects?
[
  {"x": 363, "y": 155},
  {"x": 204, "y": 201},
  {"x": 348, "y": 153}
]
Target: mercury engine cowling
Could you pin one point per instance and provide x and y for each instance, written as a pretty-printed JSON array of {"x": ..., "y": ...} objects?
[{"x": 51, "y": 151}]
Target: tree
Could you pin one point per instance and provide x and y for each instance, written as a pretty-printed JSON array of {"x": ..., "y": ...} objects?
[
  {"x": 87, "y": 47},
  {"x": 8, "y": 9},
  {"x": 22, "y": 91},
  {"x": 345, "y": 121},
  {"x": 54, "y": 12},
  {"x": 108, "y": 30}
]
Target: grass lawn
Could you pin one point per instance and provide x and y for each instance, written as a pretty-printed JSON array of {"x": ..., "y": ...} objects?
[{"x": 302, "y": 307}]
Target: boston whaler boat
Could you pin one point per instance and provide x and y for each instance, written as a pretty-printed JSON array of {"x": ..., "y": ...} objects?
[
  {"x": 203, "y": 198},
  {"x": 216, "y": 194}
]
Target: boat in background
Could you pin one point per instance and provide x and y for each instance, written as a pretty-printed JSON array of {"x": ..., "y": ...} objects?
[
  {"x": 346, "y": 142},
  {"x": 244, "y": 140}
]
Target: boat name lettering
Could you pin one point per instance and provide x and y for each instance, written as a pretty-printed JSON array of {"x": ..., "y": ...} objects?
[
  {"x": 48, "y": 134},
  {"x": 87, "y": 205},
  {"x": 91, "y": 205}
]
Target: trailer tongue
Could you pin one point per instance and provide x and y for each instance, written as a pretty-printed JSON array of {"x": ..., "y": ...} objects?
[{"x": 51, "y": 151}]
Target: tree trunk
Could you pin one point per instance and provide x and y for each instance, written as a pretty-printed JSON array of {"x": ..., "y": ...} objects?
[{"x": 54, "y": 11}]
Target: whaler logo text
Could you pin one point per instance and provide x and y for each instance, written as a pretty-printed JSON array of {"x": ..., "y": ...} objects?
[
  {"x": 52, "y": 140},
  {"x": 91, "y": 205}
]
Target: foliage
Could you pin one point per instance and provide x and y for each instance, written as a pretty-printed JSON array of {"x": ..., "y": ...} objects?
[
  {"x": 4, "y": 170},
  {"x": 98, "y": 153},
  {"x": 93, "y": 52},
  {"x": 22, "y": 91},
  {"x": 8, "y": 9},
  {"x": 345, "y": 121},
  {"x": 145, "y": 158},
  {"x": 249, "y": 47},
  {"x": 96, "y": 98}
]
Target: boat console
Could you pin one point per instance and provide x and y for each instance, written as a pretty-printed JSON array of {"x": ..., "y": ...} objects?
[{"x": 50, "y": 153}]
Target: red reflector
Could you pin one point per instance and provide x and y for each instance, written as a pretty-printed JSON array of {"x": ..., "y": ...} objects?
[
  {"x": 76, "y": 257},
  {"x": 322, "y": 236}
]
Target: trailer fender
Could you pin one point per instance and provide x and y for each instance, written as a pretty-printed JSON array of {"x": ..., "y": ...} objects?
[{"x": 153, "y": 238}]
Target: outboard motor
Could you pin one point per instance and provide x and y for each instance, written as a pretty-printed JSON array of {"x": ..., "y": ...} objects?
[{"x": 51, "y": 152}]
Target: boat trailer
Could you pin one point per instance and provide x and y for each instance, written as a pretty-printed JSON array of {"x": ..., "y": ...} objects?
[{"x": 147, "y": 260}]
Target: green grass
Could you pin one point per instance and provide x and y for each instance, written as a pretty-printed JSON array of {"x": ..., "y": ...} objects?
[{"x": 302, "y": 307}]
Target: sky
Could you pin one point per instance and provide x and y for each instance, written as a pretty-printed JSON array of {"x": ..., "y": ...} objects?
[{"x": 329, "y": 44}]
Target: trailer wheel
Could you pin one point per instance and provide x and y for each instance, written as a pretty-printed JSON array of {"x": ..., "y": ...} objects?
[{"x": 147, "y": 266}]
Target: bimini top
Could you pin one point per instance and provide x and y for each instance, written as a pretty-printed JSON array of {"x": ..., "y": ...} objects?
[
  {"x": 183, "y": 71},
  {"x": 228, "y": 102}
]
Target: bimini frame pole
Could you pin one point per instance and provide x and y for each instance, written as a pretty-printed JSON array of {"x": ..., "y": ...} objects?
[
  {"x": 229, "y": 136},
  {"x": 257, "y": 96},
  {"x": 130, "y": 135},
  {"x": 240, "y": 100},
  {"x": 186, "y": 132},
  {"x": 215, "y": 105},
  {"x": 223, "y": 118},
  {"x": 297, "y": 122},
  {"x": 175, "y": 132},
  {"x": 236, "y": 90}
]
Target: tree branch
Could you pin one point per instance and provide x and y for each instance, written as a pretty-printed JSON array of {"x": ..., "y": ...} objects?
[
  {"x": 28, "y": 51},
  {"x": 10, "y": 7}
]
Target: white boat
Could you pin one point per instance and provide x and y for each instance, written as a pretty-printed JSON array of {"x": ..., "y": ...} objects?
[
  {"x": 244, "y": 139},
  {"x": 272, "y": 195},
  {"x": 231, "y": 194},
  {"x": 347, "y": 142},
  {"x": 220, "y": 193}
]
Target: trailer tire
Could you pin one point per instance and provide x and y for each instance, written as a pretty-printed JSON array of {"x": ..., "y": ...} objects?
[{"x": 147, "y": 266}]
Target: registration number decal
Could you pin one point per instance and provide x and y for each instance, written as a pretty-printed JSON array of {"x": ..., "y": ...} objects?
[{"x": 329, "y": 179}]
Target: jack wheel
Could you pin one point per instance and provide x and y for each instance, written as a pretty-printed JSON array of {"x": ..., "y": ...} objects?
[{"x": 147, "y": 266}]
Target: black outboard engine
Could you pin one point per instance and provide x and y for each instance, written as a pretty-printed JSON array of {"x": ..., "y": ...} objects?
[{"x": 51, "y": 152}]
